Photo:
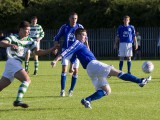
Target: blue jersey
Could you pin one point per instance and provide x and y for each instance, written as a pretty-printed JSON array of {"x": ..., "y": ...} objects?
[
  {"x": 68, "y": 33},
  {"x": 79, "y": 50},
  {"x": 126, "y": 34}
]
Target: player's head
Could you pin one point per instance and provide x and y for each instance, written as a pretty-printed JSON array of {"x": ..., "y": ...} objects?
[
  {"x": 34, "y": 20},
  {"x": 73, "y": 17},
  {"x": 126, "y": 20},
  {"x": 24, "y": 29},
  {"x": 81, "y": 34}
]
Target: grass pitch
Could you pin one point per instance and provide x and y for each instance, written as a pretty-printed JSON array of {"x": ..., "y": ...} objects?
[{"x": 126, "y": 102}]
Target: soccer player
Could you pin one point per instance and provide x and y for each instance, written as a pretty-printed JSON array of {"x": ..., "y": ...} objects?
[
  {"x": 138, "y": 51},
  {"x": 96, "y": 70},
  {"x": 36, "y": 33},
  {"x": 17, "y": 46},
  {"x": 67, "y": 32},
  {"x": 125, "y": 37}
]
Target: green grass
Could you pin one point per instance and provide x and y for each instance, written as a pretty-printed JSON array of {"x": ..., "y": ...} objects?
[{"x": 126, "y": 102}]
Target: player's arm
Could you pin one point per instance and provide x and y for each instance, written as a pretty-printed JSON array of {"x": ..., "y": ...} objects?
[
  {"x": 72, "y": 60},
  {"x": 55, "y": 44},
  {"x": 41, "y": 34},
  {"x": 6, "y": 43},
  {"x": 53, "y": 63},
  {"x": 116, "y": 42},
  {"x": 135, "y": 42},
  {"x": 41, "y": 52}
]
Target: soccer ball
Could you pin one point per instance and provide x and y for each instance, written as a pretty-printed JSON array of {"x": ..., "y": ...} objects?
[{"x": 147, "y": 67}]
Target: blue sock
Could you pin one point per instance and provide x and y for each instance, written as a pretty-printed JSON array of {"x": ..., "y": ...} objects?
[
  {"x": 97, "y": 95},
  {"x": 129, "y": 65},
  {"x": 120, "y": 65},
  {"x": 129, "y": 77},
  {"x": 73, "y": 81},
  {"x": 63, "y": 81}
]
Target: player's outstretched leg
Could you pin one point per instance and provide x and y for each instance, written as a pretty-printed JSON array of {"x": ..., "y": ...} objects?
[{"x": 129, "y": 77}]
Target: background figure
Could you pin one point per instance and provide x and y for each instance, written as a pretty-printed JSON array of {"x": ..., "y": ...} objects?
[
  {"x": 36, "y": 33},
  {"x": 2, "y": 50},
  {"x": 96, "y": 70},
  {"x": 17, "y": 46},
  {"x": 67, "y": 31},
  {"x": 125, "y": 37},
  {"x": 137, "y": 54}
]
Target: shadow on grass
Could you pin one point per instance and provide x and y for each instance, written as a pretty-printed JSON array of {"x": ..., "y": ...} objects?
[{"x": 35, "y": 109}]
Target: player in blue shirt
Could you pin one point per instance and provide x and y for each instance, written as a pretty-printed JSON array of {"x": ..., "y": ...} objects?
[
  {"x": 96, "y": 70},
  {"x": 67, "y": 31},
  {"x": 125, "y": 37}
]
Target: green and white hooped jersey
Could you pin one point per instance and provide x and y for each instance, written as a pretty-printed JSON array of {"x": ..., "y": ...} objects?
[
  {"x": 36, "y": 32},
  {"x": 23, "y": 46}
]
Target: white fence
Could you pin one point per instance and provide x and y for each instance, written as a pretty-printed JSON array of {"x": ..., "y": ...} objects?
[{"x": 101, "y": 42}]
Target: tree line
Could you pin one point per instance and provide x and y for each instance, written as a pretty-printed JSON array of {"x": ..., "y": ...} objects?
[{"x": 92, "y": 13}]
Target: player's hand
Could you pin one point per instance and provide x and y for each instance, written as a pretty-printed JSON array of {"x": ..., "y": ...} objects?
[
  {"x": 71, "y": 70},
  {"x": 14, "y": 47},
  {"x": 55, "y": 51},
  {"x": 38, "y": 39},
  {"x": 53, "y": 64},
  {"x": 136, "y": 47},
  {"x": 55, "y": 48}
]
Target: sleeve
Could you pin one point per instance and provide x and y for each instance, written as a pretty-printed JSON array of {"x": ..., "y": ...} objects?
[
  {"x": 8, "y": 39},
  {"x": 33, "y": 45},
  {"x": 133, "y": 31},
  {"x": 72, "y": 49},
  {"x": 80, "y": 26},
  {"x": 60, "y": 33},
  {"x": 42, "y": 32}
]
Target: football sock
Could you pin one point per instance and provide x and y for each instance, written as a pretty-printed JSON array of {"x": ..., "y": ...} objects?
[
  {"x": 73, "y": 81},
  {"x": 36, "y": 64},
  {"x": 129, "y": 65},
  {"x": 120, "y": 65},
  {"x": 63, "y": 81},
  {"x": 129, "y": 77},
  {"x": 97, "y": 95},
  {"x": 22, "y": 89},
  {"x": 26, "y": 65}
]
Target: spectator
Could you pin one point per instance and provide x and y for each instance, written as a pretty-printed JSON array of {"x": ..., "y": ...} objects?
[
  {"x": 137, "y": 54},
  {"x": 2, "y": 50}
]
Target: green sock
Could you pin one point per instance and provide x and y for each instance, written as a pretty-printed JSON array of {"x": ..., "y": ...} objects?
[
  {"x": 36, "y": 64},
  {"x": 22, "y": 89},
  {"x": 26, "y": 65}
]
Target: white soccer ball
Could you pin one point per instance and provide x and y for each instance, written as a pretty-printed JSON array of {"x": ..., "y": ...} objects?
[{"x": 147, "y": 67}]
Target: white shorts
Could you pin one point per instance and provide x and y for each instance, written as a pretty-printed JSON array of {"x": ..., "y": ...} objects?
[
  {"x": 38, "y": 47},
  {"x": 12, "y": 66},
  {"x": 98, "y": 73},
  {"x": 125, "y": 50},
  {"x": 66, "y": 61}
]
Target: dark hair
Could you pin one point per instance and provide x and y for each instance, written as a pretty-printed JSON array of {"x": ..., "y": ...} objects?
[
  {"x": 73, "y": 13},
  {"x": 34, "y": 17},
  {"x": 24, "y": 24},
  {"x": 79, "y": 31}
]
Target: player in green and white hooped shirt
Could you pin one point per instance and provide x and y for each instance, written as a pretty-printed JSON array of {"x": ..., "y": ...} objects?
[
  {"x": 17, "y": 46},
  {"x": 36, "y": 33}
]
